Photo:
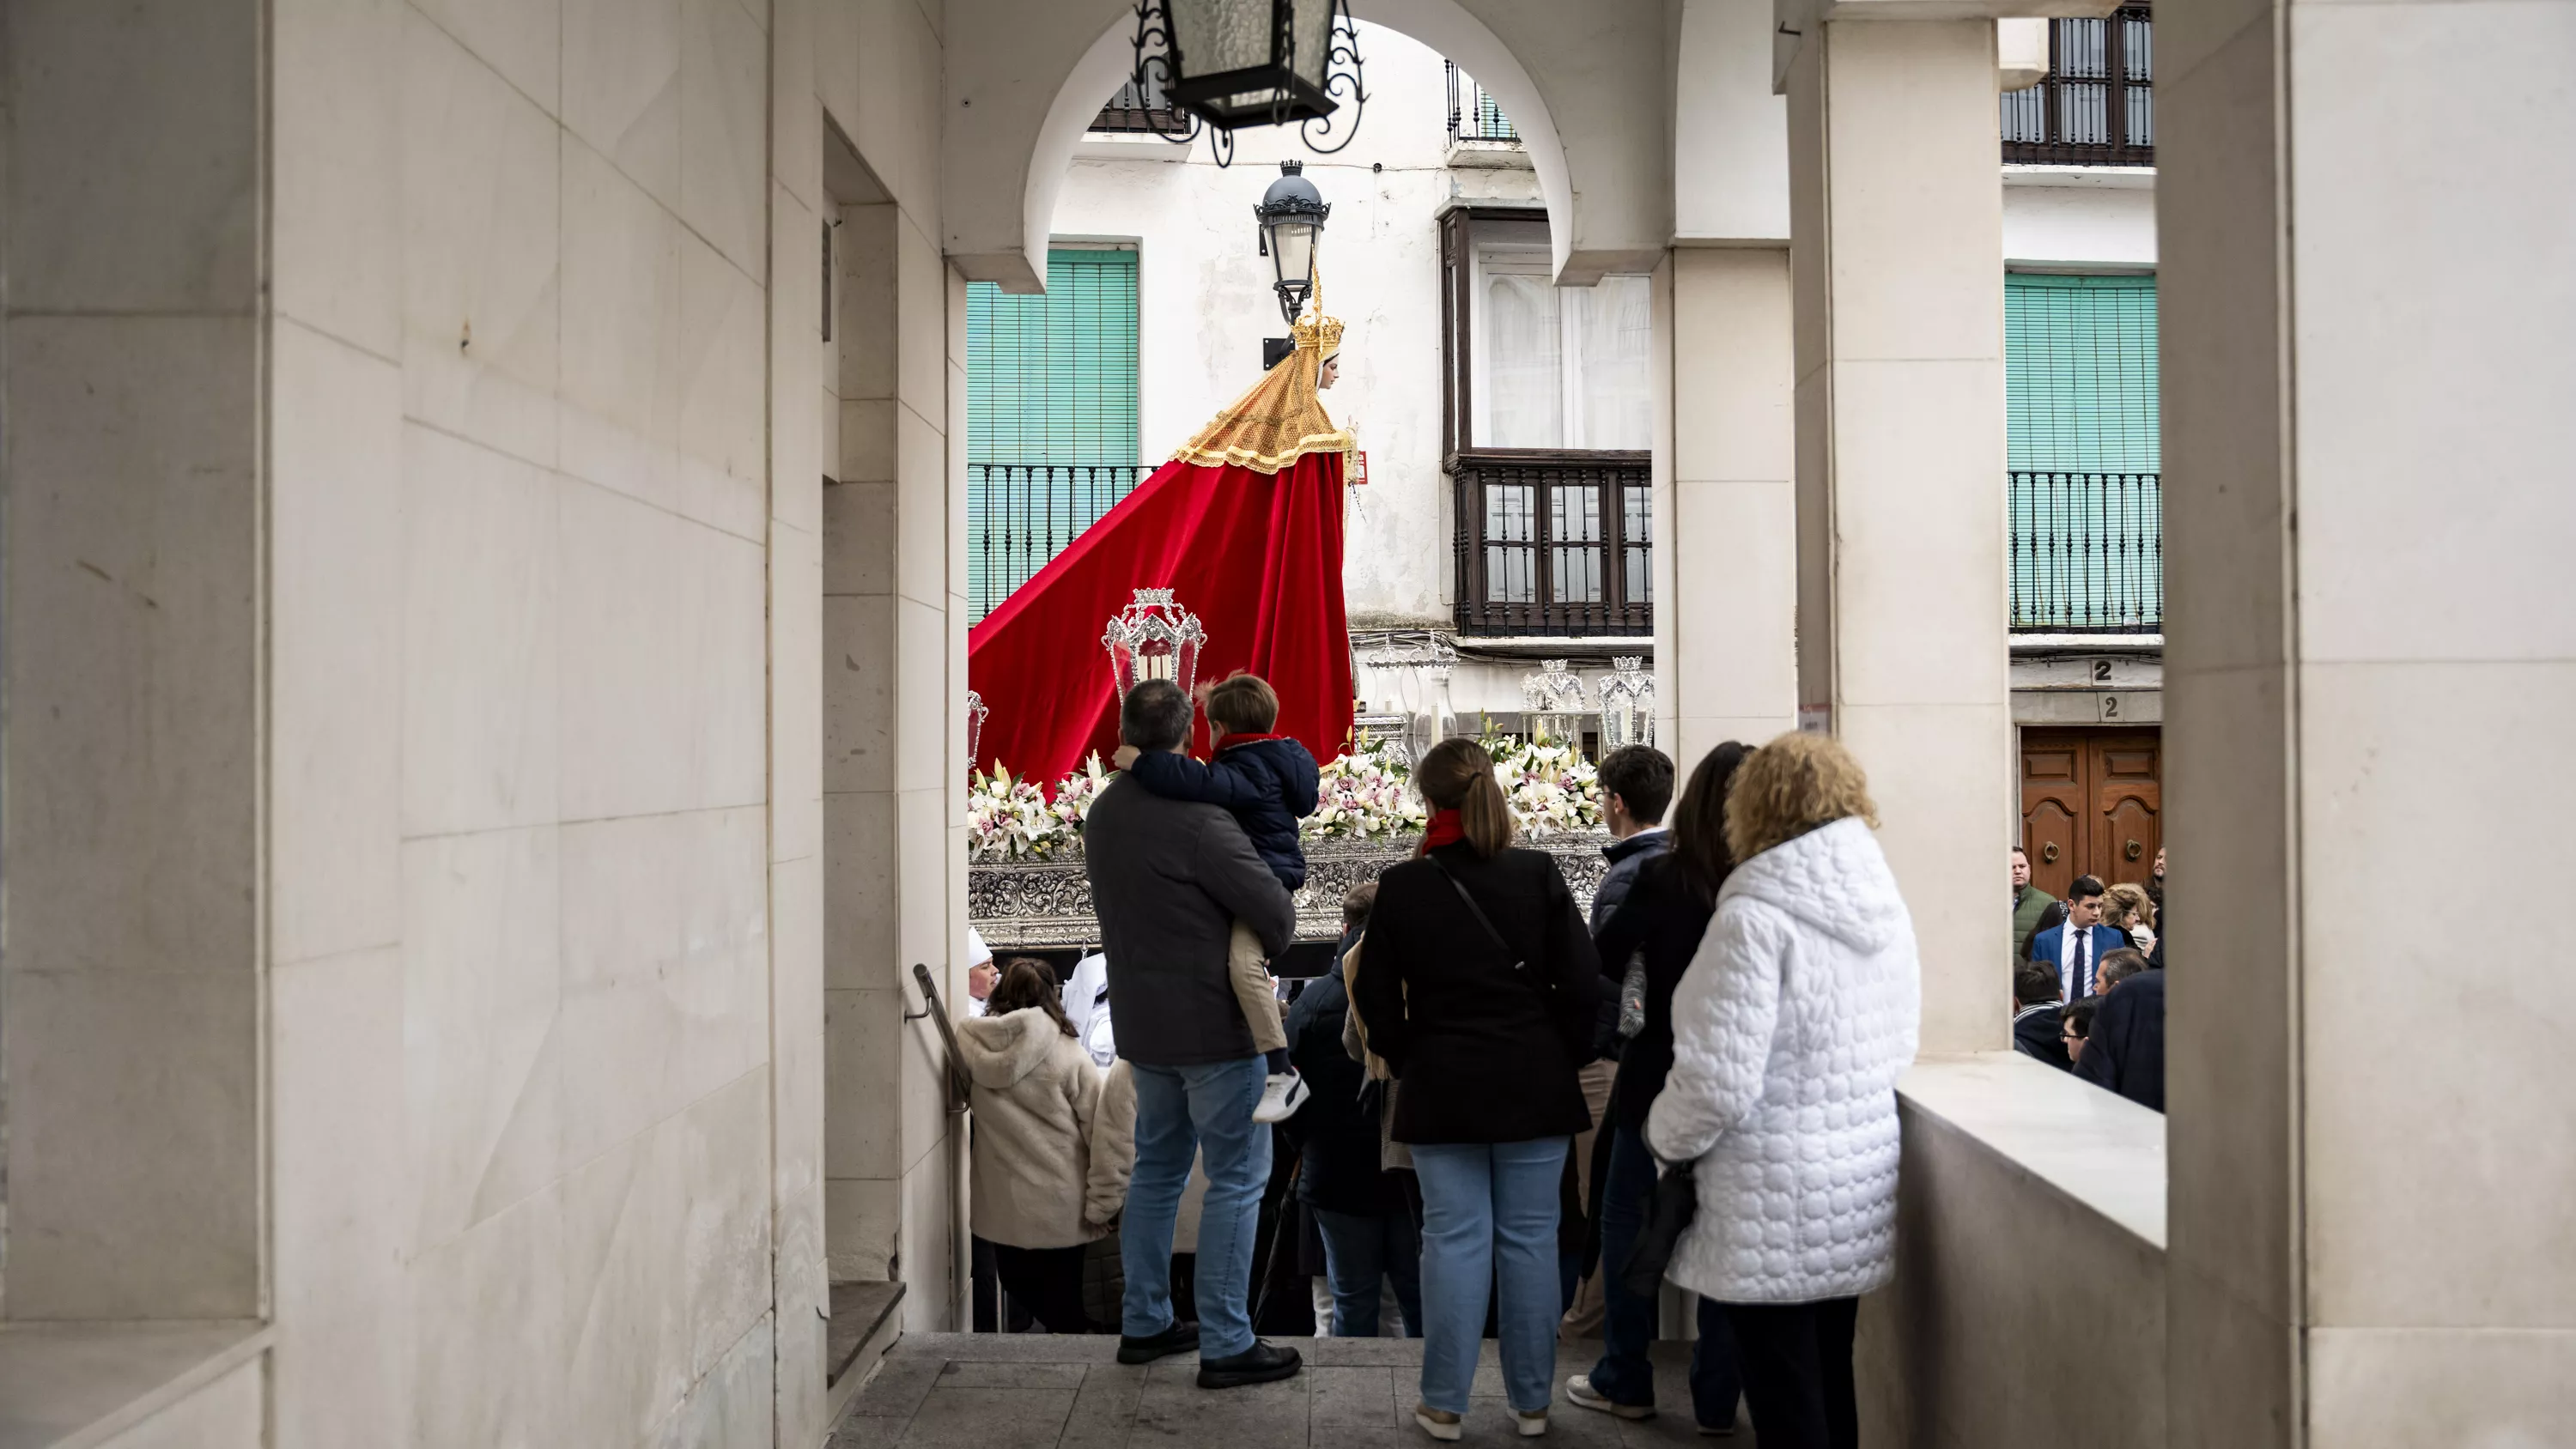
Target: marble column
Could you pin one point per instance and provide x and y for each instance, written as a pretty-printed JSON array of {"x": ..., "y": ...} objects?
[
  {"x": 1896, "y": 220},
  {"x": 2370, "y": 659},
  {"x": 1726, "y": 590}
]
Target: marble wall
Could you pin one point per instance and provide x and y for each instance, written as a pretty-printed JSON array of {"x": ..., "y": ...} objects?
[
  {"x": 519, "y": 601},
  {"x": 2370, "y": 650},
  {"x": 893, "y": 673},
  {"x": 1898, "y": 326},
  {"x": 417, "y": 537},
  {"x": 1726, "y": 582},
  {"x": 129, "y": 989}
]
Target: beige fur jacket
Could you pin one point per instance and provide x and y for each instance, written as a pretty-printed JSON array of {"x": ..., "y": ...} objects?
[{"x": 1054, "y": 1138}]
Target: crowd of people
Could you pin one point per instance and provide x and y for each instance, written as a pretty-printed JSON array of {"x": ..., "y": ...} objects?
[
  {"x": 1495, "y": 1108},
  {"x": 2088, "y": 983}
]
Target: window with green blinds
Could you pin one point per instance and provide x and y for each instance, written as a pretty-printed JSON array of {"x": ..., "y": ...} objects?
[
  {"x": 1052, "y": 379},
  {"x": 2084, "y": 479},
  {"x": 2080, "y": 372},
  {"x": 1051, "y": 415}
]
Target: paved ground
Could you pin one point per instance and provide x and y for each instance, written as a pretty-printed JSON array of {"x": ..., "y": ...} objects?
[{"x": 1032, "y": 1391}]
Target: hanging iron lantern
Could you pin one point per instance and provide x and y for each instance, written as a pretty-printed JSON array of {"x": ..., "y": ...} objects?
[
  {"x": 1291, "y": 215},
  {"x": 1232, "y": 63}
]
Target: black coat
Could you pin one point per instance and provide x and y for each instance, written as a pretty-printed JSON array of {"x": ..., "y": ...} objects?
[
  {"x": 2126, "y": 1050},
  {"x": 1168, "y": 882},
  {"x": 1268, "y": 784},
  {"x": 1337, "y": 1129},
  {"x": 1665, "y": 918},
  {"x": 2042, "y": 1034},
  {"x": 1486, "y": 1053}
]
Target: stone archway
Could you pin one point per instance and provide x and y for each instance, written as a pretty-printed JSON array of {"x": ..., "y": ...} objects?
[{"x": 1021, "y": 89}]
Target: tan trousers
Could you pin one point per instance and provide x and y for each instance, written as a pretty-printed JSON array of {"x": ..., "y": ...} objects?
[
  {"x": 1583, "y": 1320},
  {"x": 1249, "y": 970}
]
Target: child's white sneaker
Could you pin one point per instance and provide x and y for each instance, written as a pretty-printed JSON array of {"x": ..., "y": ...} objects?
[{"x": 1281, "y": 1096}]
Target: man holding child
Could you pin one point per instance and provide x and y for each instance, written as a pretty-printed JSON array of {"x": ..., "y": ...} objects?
[{"x": 1170, "y": 880}]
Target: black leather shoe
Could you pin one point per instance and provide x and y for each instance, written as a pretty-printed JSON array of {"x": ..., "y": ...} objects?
[
  {"x": 1262, "y": 1363},
  {"x": 1179, "y": 1338}
]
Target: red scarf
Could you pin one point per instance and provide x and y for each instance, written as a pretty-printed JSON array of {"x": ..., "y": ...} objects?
[{"x": 1447, "y": 827}]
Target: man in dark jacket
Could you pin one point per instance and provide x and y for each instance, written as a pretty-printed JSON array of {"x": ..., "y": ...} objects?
[
  {"x": 2036, "y": 1024},
  {"x": 1369, "y": 1237},
  {"x": 1168, "y": 880},
  {"x": 2126, "y": 1051},
  {"x": 1636, "y": 790}
]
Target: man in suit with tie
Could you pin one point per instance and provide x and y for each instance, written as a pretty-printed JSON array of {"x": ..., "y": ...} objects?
[{"x": 2075, "y": 949}]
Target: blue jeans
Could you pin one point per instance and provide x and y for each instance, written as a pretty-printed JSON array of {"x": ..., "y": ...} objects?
[
  {"x": 1489, "y": 1217},
  {"x": 1628, "y": 1322},
  {"x": 1360, "y": 1249},
  {"x": 1181, "y": 1111}
]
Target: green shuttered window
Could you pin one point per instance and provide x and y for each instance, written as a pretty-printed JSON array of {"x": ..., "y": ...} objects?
[
  {"x": 1051, "y": 415},
  {"x": 2085, "y": 480},
  {"x": 2080, "y": 372}
]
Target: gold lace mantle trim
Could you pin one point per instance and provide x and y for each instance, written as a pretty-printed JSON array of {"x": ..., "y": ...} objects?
[{"x": 1279, "y": 421}]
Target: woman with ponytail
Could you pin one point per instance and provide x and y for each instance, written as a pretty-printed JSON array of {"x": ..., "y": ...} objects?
[{"x": 1479, "y": 993}]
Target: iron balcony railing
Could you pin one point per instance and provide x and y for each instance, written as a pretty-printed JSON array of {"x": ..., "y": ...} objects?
[
  {"x": 1554, "y": 543},
  {"x": 2098, "y": 105},
  {"x": 1473, "y": 114},
  {"x": 1019, "y": 516},
  {"x": 2087, "y": 552},
  {"x": 1143, "y": 108}
]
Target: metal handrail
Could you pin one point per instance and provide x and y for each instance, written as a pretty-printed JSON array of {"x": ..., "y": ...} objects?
[{"x": 957, "y": 1078}]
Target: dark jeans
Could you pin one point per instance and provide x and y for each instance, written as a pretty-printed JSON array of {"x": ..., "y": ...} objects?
[
  {"x": 1360, "y": 1250},
  {"x": 1798, "y": 1372},
  {"x": 1628, "y": 1322},
  {"x": 1047, "y": 1282}
]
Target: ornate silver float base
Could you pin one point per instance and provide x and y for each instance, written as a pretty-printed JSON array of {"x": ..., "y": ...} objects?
[{"x": 1035, "y": 905}]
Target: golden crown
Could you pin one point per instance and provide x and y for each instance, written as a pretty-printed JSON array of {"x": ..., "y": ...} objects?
[{"x": 1315, "y": 332}]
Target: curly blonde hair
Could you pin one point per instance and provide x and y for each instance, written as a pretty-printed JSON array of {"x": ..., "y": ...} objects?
[
  {"x": 2128, "y": 904},
  {"x": 1789, "y": 787}
]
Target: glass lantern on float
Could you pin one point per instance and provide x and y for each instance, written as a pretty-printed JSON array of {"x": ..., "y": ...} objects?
[
  {"x": 1153, "y": 638},
  {"x": 1627, "y": 704},
  {"x": 976, "y": 713},
  {"x": 1555, "y": 698}
]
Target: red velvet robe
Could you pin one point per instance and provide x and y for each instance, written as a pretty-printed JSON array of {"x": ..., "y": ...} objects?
[{"x": 1257, "y": 556}]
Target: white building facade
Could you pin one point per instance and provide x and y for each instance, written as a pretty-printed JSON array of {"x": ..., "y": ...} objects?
[{"x": 1437, "y": 215}]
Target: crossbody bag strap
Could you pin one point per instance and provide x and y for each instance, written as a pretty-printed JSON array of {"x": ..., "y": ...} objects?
[{"x": 1520, "y": 966}]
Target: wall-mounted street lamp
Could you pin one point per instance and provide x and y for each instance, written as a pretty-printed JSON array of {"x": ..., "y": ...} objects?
[{"x": 1291, "y": 215}]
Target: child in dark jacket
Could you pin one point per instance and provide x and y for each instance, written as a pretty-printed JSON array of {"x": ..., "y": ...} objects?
[{"x": 1269, "y": 783}]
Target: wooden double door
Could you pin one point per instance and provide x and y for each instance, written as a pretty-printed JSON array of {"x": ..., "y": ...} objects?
[{"x": 2092, "y": 803}]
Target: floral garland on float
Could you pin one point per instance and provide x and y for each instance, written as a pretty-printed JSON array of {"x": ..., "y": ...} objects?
[{"x": 1366, "y": 793}]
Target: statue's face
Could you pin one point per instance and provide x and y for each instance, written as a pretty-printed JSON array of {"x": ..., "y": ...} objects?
[{"x": 1332, "y": 370}]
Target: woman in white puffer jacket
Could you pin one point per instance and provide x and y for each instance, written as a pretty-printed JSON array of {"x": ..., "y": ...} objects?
[{"x": 1789, "y": 1031}]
